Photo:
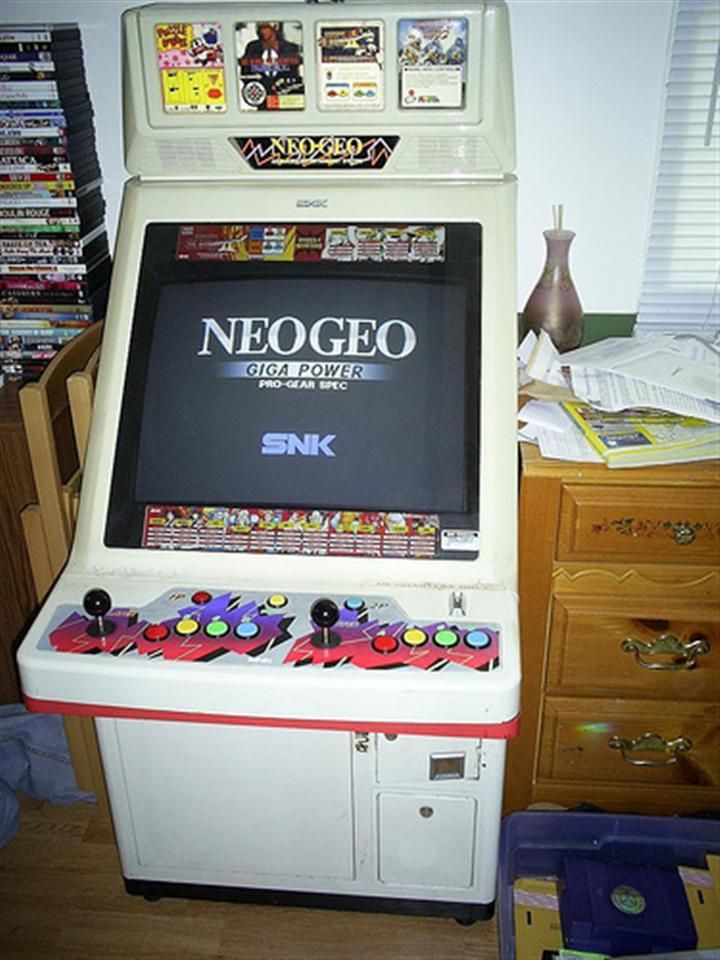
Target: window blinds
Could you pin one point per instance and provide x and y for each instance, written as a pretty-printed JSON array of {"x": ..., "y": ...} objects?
[{"x": 682, "y": 266}]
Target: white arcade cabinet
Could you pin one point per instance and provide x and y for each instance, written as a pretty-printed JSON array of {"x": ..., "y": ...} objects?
[{"x": 290, "y": 606}]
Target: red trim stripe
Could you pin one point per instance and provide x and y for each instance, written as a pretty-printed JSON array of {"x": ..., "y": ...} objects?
[{"x": 493, "y": 731}]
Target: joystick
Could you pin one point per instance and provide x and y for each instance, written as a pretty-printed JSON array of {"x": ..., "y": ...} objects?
[
  {"x": 325, "y": 614},
  {"x": 96, "y": 604}
]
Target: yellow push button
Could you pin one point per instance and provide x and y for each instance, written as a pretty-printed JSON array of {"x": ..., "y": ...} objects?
[
  {"x": 414, "y": 637},
  {"x": 187, "y": 627},
  {"x": 277, "y": 600}
]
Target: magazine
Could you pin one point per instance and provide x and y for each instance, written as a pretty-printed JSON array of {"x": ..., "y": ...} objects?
[{"x": 639, "y": 436}]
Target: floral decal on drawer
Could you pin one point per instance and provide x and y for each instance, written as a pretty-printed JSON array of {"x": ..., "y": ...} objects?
[{"x": 683, "y": 532}]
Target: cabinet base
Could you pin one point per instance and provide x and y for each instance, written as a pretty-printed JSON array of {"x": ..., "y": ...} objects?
[{"x": 464, "y": 913}]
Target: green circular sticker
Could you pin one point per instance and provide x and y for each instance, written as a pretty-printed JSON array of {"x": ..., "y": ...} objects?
[{"x": 627, "y": 900}]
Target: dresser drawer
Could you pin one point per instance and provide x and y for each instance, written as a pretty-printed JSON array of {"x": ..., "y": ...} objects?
[
  {"x": 639, "y": 525},
  {"x": 578, "y": 735},
  {"x": 634, "y": 647}
]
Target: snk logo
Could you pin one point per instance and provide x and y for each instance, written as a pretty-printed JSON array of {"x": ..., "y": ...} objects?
[{"x": 292, "y": 444}]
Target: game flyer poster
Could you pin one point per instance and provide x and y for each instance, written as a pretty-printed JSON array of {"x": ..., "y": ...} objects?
[
  {"x": 190, "y": 60},
  {"x": 349, "y": 243},
  {"x": 433, "y": 63},
  {"x": 270, "y": 65},
  {"x": 350, "y": 66}
]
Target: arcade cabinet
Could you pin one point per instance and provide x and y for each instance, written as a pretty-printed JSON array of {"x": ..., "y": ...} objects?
[{"x": 290, "y": 605}]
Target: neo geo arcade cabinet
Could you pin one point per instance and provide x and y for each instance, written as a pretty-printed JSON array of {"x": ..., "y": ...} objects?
[{"x": 291, "y": 601}]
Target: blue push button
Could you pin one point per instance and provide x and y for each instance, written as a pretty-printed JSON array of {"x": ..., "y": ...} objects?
[
  {"x": 247, "y": 630},
  {"x": 477, "y": 639},
  {"x": 354, "y": 603}
]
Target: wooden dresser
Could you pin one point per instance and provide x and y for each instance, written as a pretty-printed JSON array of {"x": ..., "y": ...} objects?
[{"x": 620, "y": 631}]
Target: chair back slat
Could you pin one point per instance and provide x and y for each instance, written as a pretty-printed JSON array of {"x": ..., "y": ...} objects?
[{"x": 46, "y": 411}]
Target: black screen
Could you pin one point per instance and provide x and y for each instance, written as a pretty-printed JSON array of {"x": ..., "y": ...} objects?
[{"x": 322, "y": 385}]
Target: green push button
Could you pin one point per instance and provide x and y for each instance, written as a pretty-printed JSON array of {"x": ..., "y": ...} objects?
[
  {"x": 217, "y": 628},
  {"x": 446, "y": 638}
]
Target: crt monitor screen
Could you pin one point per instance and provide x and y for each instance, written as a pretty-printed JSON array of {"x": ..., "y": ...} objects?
[{"x": 302, "y": 373}]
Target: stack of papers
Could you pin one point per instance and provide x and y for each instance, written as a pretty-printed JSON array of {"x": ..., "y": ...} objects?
[{"x": 624, "y": 401}]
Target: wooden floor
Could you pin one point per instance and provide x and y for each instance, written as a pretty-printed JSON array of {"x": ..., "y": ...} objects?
[{"x": 62, "y": 898}]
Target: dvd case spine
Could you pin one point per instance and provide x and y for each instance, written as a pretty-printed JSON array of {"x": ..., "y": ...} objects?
[{"x": 55, "y": 259}]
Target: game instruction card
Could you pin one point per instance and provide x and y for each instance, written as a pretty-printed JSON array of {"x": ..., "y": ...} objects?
[
  {"x": 432, "y": 58},
  {"x": 270, "y": 65},
  {"x": 191, "y": 63},
  {"x": 350, "y": 65}
]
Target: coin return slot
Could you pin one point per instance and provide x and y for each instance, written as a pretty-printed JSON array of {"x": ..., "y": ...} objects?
[{"x": 447, "y": 766}]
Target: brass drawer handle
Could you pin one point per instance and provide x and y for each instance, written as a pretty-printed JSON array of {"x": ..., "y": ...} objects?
[
  {"x": 675, "y": 654},
  {"x": 650, "y": 743}
]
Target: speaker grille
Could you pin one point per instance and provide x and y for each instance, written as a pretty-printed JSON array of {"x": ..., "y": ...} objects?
[
  {"x": 185, "y": 156},
  {"x": 448, "y": 155}
]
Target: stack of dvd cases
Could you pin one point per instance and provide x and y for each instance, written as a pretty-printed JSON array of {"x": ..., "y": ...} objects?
[{"x": 54, "y": 251}]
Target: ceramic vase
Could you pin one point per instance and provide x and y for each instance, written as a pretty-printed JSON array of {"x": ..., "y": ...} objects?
[{"x": 554, "y": 305}]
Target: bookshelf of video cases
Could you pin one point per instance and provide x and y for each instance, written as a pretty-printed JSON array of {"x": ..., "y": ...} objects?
[{"x": 54, "y": 252}]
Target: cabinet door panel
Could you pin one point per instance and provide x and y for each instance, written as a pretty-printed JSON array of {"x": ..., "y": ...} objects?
[
  {"x": 577, "y": 732},
  {"x": 639, "y": 524},
  {"x": 632, "y": 647},
  {"x": 286, "y": 793},
  {"x": 428, "y": 836}
]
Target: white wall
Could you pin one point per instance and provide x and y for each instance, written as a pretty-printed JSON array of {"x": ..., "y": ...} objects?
[{"x": 589, "y": 77}]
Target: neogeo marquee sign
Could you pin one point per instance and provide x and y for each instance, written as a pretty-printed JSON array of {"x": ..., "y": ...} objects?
[{"x": 307, "y": 151}]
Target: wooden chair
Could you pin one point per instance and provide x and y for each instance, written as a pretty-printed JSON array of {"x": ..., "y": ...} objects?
[
  {"x": 54, "y": 459},
  {"x": 81, "y": 393},
  {"x": 56, "y": 417}
]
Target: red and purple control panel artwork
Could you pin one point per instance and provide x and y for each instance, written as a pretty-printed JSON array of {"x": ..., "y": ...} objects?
[{"x": 297, "y": 630}]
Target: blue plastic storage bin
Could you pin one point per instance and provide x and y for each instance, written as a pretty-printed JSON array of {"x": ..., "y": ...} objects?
[{"x": 534, "y": 843}]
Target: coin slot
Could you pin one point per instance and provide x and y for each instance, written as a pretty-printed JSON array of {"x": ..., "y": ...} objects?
[{"x": 446, "y": 766}]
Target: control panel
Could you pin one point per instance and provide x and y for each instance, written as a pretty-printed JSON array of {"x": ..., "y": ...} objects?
[{"x": 272, "y": 629}]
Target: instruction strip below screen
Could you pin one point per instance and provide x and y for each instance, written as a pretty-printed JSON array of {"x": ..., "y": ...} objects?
[{"x": 310, "y": 532}]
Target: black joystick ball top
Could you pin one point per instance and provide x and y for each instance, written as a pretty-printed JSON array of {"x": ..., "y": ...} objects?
[
  {"x": 325, "y": 614},
  {"x": 97, "y": 604}
]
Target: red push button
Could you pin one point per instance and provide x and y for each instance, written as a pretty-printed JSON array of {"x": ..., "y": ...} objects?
[
  {"x": 384, "y": 643},
  {"x": 156, "y": 632},
  {"x": 201, "y": 597}
]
